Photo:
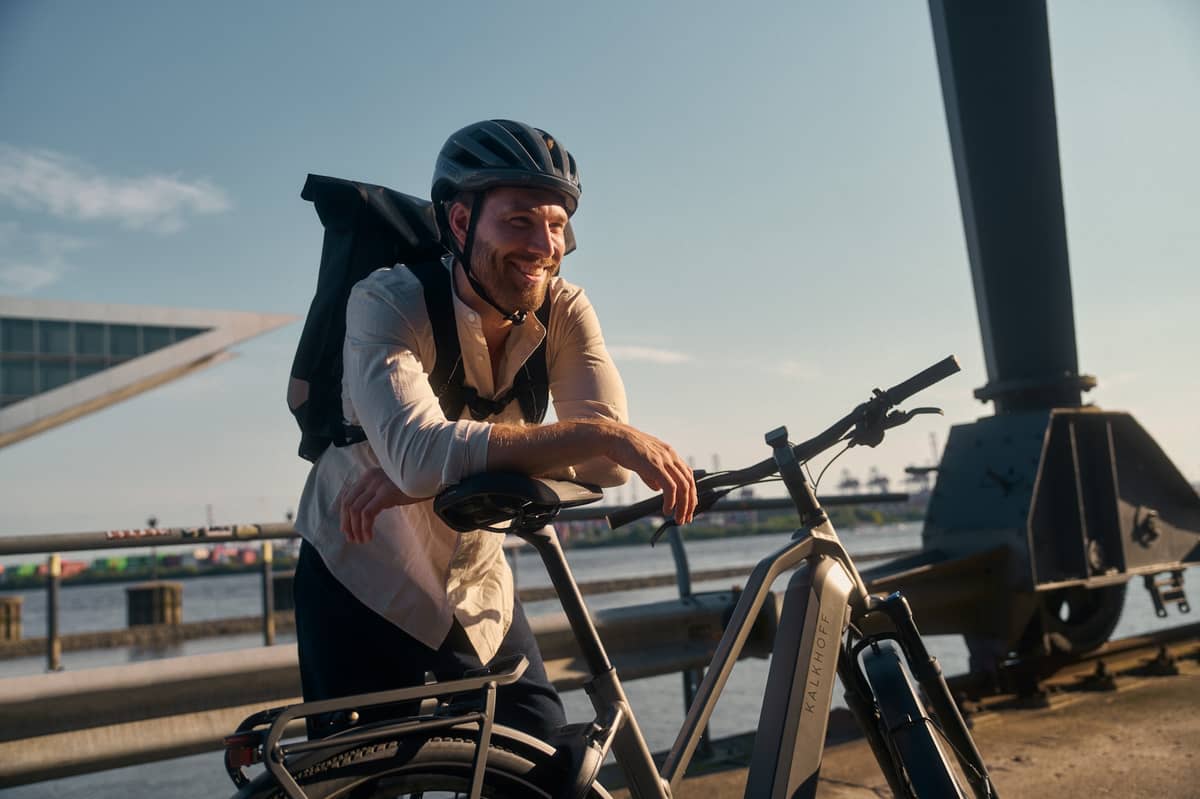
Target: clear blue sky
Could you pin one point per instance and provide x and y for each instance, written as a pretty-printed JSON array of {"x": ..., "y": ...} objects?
[{"x": 769, "y": 228}]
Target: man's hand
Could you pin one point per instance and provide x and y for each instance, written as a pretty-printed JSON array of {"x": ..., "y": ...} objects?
[
  {"x": 660, "y": 468},
  {"x": 362, "y": 502}
]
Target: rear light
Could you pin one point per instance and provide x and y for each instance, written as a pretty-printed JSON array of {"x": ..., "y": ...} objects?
[{"x": 243, "y": 749}]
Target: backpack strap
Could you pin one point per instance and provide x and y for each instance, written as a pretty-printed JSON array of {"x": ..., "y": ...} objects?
[
  {"x": 534, "y": 391},
  {"x": 435, "y": 283},
  {"x": 531, "y": 386}
]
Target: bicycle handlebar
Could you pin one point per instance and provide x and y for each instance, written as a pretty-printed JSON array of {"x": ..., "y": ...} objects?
[
  {"x": 923, "y": 379},
  {"x": 877, "y": 406}
]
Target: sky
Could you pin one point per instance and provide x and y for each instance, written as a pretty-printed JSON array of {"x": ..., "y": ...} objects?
[{"x": 769, "y": 227}]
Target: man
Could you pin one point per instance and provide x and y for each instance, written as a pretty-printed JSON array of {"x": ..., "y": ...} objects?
[{"x": 384, "y": 591}]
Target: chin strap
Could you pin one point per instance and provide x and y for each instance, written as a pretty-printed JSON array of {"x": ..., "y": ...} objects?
[{"x": 464, "y": 257}]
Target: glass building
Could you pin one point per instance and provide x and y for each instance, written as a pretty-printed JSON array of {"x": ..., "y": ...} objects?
[
  {"x": 60, "y": 360},
  {"x": 38, "y": 355}
]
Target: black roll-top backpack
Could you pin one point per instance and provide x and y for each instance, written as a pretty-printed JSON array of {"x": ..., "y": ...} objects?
[{"x": 369, "y": 227}]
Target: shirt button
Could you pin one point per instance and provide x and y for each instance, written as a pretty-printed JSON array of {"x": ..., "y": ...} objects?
[{"x": 473, "y": 317}]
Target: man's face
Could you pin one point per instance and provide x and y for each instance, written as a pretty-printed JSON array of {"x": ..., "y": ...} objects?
[{"x": 519, "y": 245}]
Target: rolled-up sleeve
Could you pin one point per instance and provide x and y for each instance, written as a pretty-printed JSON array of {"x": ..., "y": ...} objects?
[
  {"x": 419, "y": 449},
  {"x": 584, "y": 381}
]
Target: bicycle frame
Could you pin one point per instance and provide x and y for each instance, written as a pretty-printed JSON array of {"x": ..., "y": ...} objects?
[
  {"x": 825, "y": 609},
  {"x": 819, "y": 604},
  {"x": 815, "y": 612}
]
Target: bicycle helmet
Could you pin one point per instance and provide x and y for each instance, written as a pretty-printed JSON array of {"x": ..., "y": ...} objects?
[{"x": 499, "y": 152}]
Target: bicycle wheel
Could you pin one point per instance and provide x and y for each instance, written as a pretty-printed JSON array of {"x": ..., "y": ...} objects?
[
  {"x": 918, "y": 750},
  {"x": 429, "y": 766}
]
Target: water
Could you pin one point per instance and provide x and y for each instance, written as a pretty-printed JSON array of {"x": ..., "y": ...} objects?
[
  {"x": 657, "y": 701},
  {"x": 88, "y": 608}
]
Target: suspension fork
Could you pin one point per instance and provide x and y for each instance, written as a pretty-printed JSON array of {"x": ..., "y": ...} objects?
[{"x": 928, "y": 673}]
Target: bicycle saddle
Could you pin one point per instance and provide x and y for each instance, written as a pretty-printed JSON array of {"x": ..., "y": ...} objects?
[{"x": 485, "y": 500}]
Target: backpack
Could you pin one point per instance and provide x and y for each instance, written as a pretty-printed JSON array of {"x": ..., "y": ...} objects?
[{"x": 368, "y": 227}]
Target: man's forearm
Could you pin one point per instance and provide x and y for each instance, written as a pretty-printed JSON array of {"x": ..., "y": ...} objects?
[
  {"x": 546, "y": 448},
  {"x": 539, "y": 450}
]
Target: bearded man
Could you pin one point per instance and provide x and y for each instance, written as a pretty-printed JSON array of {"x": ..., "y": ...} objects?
[{"x": 385, "y": 592}]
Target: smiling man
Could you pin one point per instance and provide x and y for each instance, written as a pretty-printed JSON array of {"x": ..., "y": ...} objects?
[{"x": 447, "y": 368}]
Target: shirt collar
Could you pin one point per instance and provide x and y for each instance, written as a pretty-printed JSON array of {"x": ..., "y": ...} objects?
[{"x": 518, "y": 347}]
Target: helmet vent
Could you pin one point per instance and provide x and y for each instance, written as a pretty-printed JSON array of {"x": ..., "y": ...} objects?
[
  {"x": 468, "y": 159},
  {"x": 504, "y": 156},
  {"x": 556, "y": 155}
]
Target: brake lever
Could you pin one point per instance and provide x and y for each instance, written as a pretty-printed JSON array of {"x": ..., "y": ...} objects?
[
  {"x": 704, "y": 502},
  {"x": 870, "y": 431},
  {"x": 897, "y": 418}
]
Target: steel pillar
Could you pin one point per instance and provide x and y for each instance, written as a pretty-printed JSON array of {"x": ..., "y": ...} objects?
[{"x": 994, "y": 60}]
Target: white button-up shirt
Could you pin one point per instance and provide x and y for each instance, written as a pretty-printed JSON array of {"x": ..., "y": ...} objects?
[{"x": 416, "y": 571}]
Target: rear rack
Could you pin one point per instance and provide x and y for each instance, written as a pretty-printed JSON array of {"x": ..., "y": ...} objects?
[{"x": 258, "y": 738}]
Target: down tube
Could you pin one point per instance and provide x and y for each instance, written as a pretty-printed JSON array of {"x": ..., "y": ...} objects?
[
  {"x": 795, "y": 713},
  {"x": 737, "y": 630}
]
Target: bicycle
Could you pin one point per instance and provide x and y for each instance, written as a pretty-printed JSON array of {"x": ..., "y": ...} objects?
[{"x": 828, "y": 624}]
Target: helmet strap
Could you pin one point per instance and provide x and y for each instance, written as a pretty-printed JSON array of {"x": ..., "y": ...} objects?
[{"x": 464, "y": 256}]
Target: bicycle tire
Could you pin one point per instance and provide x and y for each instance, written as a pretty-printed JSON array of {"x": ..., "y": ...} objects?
[
  {"x": 431, "y": 766},
  {"x": 923, "y": 760}
]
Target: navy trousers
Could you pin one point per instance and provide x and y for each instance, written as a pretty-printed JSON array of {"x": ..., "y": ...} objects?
[{"x": 346, "y": 648}]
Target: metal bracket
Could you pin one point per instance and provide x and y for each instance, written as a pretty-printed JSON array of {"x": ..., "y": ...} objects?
[
  {"x": 1147, "y": 527},
  {"x": 1164, "y": 588}
]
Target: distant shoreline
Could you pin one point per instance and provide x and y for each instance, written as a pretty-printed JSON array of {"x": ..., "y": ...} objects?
[
  {"x": 764, "y": 523},
  {"x": 90, "y": 577},
  {"x": 846, "y": 518}
]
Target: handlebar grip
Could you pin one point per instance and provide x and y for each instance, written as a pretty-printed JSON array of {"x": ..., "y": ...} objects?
[
  {"x": 923, "y": 380},
  {"x": 637, "y": 510}
]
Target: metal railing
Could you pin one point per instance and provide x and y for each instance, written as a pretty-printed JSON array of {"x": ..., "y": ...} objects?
[{"x": 57, "y": 543}]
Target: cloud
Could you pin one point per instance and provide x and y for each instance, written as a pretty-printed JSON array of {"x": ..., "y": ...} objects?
[
  {"x": 47, "y": 181},
  {"x": 648, "y": 355},
  {"x": 793, "y": 370},
  {"x": 30, "y": 261},
  {"x": 26, "y": 278}
]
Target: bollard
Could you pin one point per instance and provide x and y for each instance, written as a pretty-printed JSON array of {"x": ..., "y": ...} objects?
[
  {"x": 284, "y": 588},
  {"x": 53, "y": 642},
  {"x": 692, "y": 677},
  {"x": 10, "y": 617},
  {"x": 268, "y": 592},
  {"x": 154, "y": 603}
]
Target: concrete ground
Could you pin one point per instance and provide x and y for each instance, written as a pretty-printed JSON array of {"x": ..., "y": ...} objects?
[{"x": 1141, "y": 740}]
